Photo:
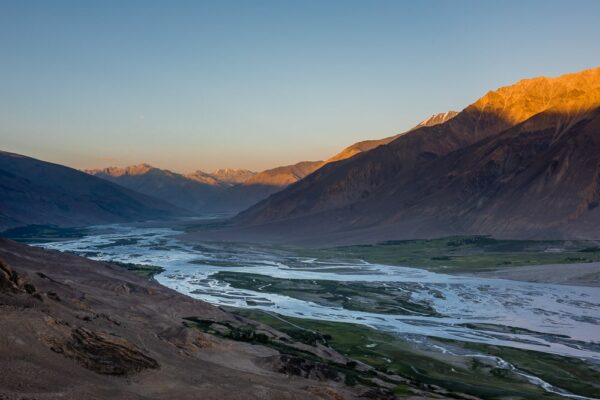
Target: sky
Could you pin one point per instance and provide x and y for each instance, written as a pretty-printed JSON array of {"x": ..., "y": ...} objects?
[{"x": 188, "y": 85}]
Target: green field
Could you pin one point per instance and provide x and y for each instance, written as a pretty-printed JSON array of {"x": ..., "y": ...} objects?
[{"x": 463, "y": 253}]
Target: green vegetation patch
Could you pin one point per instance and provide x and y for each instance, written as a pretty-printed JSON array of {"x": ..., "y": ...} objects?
[
  {"x": 394, "y": 298},
  {"x": 575, "y": 375},
  {"x": 146, "y": 271},
  {"x": 217, "y": 263},
  {"x": 42, "y": 233},
  {"x": 392, "y": 354},
  {"x": 463, "y": 253}
]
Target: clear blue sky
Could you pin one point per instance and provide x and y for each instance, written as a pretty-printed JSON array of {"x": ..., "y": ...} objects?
[{"x": 256, "y": 84}]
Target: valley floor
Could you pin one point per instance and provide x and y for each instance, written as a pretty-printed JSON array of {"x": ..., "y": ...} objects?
[
  {"x": 330, "y": 323},
  {"x": 546, "y": 261},
  {"x": 587, "y": 274}
]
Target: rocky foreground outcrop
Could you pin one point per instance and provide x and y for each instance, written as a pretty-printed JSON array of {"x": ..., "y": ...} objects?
[{"x": 72, "y": 328}]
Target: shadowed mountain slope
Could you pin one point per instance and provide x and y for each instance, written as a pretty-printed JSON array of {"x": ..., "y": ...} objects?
[
  {"x": 265, "y": 183},
  {"x": 412, "y": 186},
  {"x": 225, "y": 190},
  {"x": 185, "y": 192},
  {"x": 38, "y": 192}
]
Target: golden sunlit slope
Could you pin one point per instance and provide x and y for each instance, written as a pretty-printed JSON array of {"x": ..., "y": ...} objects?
[
  {"x": 283, "y": 176},
  {"x": 567, "y": 94},
  {"x": 132, "y": 170},
  {"x": 372, "y": 189}
]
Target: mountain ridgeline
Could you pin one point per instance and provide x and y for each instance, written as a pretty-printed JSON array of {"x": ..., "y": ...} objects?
[
  {"x": 229, "y": 190},
  {"x": 194, "y": 192},
  {"x": 38, "y": 192},
  {"x": 522, "y": 161},
  {"x": 223, "y": 191}
]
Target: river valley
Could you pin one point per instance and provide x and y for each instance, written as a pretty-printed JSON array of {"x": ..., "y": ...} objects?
[{"x": 434, "y": 312}]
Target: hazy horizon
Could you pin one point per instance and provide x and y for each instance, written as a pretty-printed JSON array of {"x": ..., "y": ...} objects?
[{"x": 237, "y": 85}]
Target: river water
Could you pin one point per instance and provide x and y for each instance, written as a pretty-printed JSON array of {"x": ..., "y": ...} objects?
[{"x": 558, "y": 319}]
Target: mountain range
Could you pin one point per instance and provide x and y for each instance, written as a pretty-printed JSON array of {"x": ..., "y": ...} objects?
[
  {"x": 229, "y": 190},
  {"x": 522, "y": 161},
  {"x": 222, "y": 177},
  {"x": 194, "y": 192},
  {"x": 38, "y": 192},
  {"x": 223, "y": 191}
]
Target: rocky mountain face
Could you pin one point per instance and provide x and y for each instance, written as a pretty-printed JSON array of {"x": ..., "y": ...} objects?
[
  {"x": 518, "y": 162},
  {"x": 38, "y": 192}
]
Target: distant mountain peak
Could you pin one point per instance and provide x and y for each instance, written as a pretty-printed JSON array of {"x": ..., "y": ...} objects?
[
  {"x": 232, "y": 175},
  {"x": 232, "y": 171},
  {"x": 139, "y": 169},
  {"x": 367, "y": 145},
  {"x": 222, "y": 176},
  {"x": 436, "y": 119}
]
